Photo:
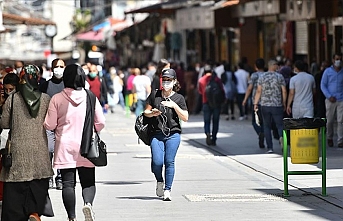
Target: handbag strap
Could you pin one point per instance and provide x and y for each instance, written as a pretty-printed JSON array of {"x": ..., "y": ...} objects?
[
  {"x": 11, "y": 124},
  {"x": 11, "y": 119},
  {"x": 91, "y": 97}
]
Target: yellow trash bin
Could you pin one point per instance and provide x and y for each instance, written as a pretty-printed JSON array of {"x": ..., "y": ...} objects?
[{"x": 304, "y": 146}]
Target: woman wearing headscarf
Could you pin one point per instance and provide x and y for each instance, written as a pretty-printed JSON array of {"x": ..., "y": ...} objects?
[
  {"x": 66, "y": 115},
  {"x": 26, "y": 182}
]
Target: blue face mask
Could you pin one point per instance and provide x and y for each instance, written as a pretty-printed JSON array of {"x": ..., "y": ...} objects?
[{"x": 92, "y": 74}]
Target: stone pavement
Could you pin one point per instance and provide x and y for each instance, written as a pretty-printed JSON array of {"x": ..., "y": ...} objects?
[{"x": 236, "y": 180}]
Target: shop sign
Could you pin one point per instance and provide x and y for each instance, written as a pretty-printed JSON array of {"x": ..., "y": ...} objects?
[
  {"x": 301, "y": 10},
  {"x": 257, "y": 8},
  {"x": 195, "y": 18}
]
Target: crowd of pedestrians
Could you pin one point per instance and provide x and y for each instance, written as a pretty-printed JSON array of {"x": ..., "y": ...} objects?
[{"x": 47, "y": 118}]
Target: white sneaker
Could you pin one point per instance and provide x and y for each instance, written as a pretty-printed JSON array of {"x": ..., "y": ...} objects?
[
  {"x": 88, "y": 212},
  {"x": 159, "y": 189},
  {"x": 166, "y": 195},
  {"x": 241, "y": 118}
]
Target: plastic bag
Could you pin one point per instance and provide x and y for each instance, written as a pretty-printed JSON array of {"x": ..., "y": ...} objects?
[{"x": 303, "y": 123}]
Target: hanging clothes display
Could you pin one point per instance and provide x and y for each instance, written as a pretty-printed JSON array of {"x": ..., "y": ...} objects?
[{"x": 159, "y": 48}]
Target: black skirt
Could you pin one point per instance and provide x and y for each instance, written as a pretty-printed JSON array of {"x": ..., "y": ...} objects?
[{"x": 20, "y": 199}]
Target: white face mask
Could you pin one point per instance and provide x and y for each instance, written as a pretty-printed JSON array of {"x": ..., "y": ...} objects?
[
  {"x": 86, "y": 71},
  {"x": 167, "y": 85},
  {"x": 58, "y": 72},
  {"x": 18, "y": 70},
  {"x": 337, "y": 63},
  {"x": 12, "y": 92}
]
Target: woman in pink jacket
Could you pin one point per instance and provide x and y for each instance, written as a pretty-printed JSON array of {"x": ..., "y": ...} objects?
[{"x": 66, "y": 115}]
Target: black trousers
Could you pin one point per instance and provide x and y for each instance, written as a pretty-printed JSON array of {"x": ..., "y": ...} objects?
[{"x": 87, "y": 180}]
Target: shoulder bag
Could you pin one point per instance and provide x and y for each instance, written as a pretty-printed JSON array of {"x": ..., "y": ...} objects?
[
  {"x": 6, "y": 155},
  {"x": 92, "y": 147}
]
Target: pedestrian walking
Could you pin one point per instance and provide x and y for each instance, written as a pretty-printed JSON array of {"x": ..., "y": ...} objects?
[
  {"x": 26, "y": 182},
  {"x": 301, "y": 90},
  {"x": 51, "y": 87},
  {"x": 10, "y": 84},
  {"x": 259, "y": 66},
  {"x": 332, "y": 87},
  {"x": 271, "y": 89},
  {"x": 210, "y": 111},
  {"x": 242, "y": 77},
  {"x": 142, "y": 89},
  {"x": 165, "y": 108},
  {"x": 66, "y": 115},
  {"x": 98, "y": 86},
  {"x": 229, "y": 81}
]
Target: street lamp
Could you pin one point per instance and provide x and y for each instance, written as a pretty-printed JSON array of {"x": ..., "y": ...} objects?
[{"x": 51, "y": 32}]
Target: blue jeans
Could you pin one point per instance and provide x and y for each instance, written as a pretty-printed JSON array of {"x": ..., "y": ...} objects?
[
  {"x": 215, "y": 114},
  {"x": 269, "y": 114},
  {"x": 243, "y": 110},
  {"x": 139, "y": 107},
  {"x": 163, "y": 152}
]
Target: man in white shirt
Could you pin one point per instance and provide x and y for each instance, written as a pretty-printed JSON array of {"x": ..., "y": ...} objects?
[
  {"x": 242, "y": 77},
  {"x": 142, "y": 88},
  {"x": 301, "y": 90}
]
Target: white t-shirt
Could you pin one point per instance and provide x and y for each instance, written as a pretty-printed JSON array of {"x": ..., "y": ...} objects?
[
  {"x": 141, "y": 82},
  {"x": 242, "y": 81}
]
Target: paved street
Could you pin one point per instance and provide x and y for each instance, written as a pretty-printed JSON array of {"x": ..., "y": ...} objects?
[{"x": 236, "y": 180}]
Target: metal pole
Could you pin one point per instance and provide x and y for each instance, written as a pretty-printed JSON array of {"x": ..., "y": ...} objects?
[
  {"x": 285, "y": 163},
  {"x": 52, "y": 45},
  {"x": 323, "y": 161}
]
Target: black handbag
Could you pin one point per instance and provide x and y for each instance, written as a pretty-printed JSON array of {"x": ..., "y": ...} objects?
[
  {"x": 6, "y": 155},
  {"x": 92, "y": 147},
  {"x": 99, "y": 147}
]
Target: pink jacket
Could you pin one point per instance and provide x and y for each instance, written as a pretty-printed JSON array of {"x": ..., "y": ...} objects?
[{"x": 66, "y": 115}]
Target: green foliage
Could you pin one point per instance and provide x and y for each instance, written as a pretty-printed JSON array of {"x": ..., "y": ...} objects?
[{"x": 81, "y": 19}]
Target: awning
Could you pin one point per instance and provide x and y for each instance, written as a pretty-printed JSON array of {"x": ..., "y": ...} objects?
[
  {"x": 90, "y": 36},
  {"x": 164, "y": 7},
  {"x": 103, "y": 30},
  {"x": 12, "y": 19}
]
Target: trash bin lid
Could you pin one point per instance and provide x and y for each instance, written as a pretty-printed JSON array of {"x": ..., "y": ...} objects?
[{"x": 303, "y": 123}]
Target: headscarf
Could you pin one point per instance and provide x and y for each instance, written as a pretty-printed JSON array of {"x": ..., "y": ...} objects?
[
  {"x": 74, "y": 77},
  {"x": 28, "y": 88}
]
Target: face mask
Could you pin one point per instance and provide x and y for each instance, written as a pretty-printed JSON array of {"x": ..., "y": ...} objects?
[
  {"x": 101, "y": 74},
  {"x": 58, "y": 72},
  {"x": 86, "y": 71},
  {"x": 295, "y": 72},
  {"x": 167, "y": 85},
  {"x": 337, "y": 63},
  {"x": 92, "y": 74},
  {"x": 121, "y": 75},
  {"x": 197, "y": 69},
  {"x": 9, "y": 93},
  {"x": 18, "y": 70}
]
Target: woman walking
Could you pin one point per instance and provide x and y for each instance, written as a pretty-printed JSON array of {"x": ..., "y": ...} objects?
[
  {"x": 165, "y": 108},
  {"x": 66, "y": 115},
  {"x": 26, "y": 182}
]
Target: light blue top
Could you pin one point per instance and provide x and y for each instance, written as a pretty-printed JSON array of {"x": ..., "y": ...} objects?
[
  {"x": 303, "y": 85},
  {"x": 332, "y": 83}
]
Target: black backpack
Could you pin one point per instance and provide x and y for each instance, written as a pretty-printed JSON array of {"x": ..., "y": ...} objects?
[
  {"x": 143, "y": 129},
  {"x": 143, "y": 126},
  {"x": 214, "y": 93}
]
